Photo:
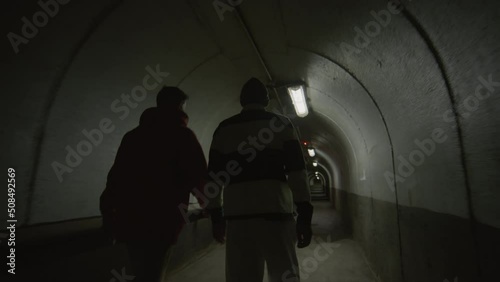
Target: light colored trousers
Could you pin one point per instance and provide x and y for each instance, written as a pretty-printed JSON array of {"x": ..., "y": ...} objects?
[{"x": 252, "y": 242}]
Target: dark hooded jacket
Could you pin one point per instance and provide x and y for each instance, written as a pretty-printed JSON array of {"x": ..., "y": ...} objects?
[{"x": 156, "y": 167}]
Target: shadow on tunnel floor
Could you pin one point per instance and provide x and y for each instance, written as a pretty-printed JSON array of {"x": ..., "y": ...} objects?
[{"x": 327, "y": 221}]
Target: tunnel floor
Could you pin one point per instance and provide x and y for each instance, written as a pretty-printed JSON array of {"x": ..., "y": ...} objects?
[{"x": 337, "y": 259}]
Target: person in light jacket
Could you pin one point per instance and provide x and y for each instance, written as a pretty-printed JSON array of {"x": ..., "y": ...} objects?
[{"x": 257, "y": 167}]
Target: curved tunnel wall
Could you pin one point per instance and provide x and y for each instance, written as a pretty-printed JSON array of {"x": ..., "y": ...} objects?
[{"x": 398, "y": 87}]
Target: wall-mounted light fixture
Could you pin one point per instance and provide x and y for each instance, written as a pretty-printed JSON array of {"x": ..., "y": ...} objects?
[
  {"x": 311, "y": 152},
  {"x": 298, "y": 96},
  {"x": 315, "y": 163}
]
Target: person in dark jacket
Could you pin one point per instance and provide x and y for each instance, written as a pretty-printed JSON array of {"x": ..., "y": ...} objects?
[{"x": 157, "y": 165}]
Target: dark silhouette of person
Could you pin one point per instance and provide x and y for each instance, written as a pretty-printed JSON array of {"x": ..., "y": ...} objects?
[
  {"x": 157, "y": 165},
  {"x": 256, "y": 161}
]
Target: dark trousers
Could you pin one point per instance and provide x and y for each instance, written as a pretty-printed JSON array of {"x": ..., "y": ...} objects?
[{"x": 149, "y": 260}]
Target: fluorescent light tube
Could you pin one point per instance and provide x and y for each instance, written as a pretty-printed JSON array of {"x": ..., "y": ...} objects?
[
  {"x": 299, "y": 100},
  {"x": 311, "y": 152}
]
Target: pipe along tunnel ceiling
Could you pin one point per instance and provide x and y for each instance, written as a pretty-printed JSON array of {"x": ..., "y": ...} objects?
[{"x": 403, "y": 107}]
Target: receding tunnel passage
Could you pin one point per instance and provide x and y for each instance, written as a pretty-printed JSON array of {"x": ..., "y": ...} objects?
[{"x": 395, "y": 104}]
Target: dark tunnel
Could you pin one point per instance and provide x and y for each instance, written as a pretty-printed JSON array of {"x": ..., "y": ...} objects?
[{"x": 402, "y": 100}]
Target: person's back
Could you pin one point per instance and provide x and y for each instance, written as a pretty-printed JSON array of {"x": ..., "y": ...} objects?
[
  {"x": 156, "y": 167},
  {"x": 146, "y": 173},
  {"x": 257, "y": 159},
  {"x": 265, "y": 148}
]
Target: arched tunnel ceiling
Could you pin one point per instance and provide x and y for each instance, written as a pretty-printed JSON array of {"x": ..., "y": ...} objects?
[{"x": 381, "y": 99}]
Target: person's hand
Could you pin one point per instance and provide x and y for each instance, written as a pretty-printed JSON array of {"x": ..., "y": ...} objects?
[
  {"x": 304, "y": 231},
  {"x": 205, "y": 213},
  {"x": 218, "y": 224},
  {"x": 219, "y": 232},
  {"x": 304, "y": 235}
]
